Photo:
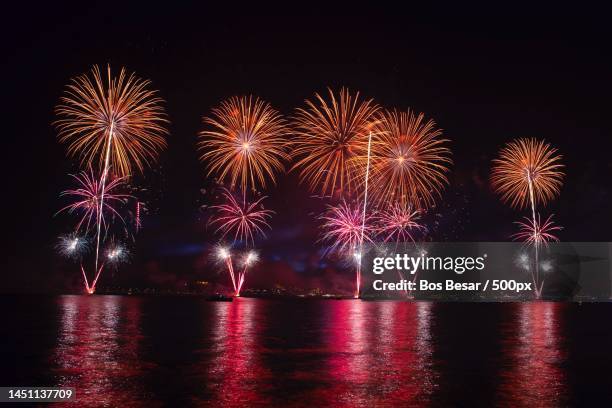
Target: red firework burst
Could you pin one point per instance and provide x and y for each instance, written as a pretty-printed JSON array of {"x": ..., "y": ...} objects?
[
  {"x": 87, "y": 196},
  {"x": 345, "y": 228},
  {"x": 242, "y": 219},
  {"x": 399, "y": 223},
  {"x": 537, "y": 233}
]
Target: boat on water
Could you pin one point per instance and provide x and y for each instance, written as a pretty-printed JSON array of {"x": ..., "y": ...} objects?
[{"x": 218, "y": 297}]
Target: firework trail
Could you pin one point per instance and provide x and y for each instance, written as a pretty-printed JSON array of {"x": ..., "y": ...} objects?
[
  {"x": 328, "y": 135},
  {"x": 537, "y": 234},
  {"x": 250, "y": 258},
  {"x": 138, "y": 222},
  {"x": 224, "y": 255},
  {"x": 528, "y": 172},
  {"x": 244, "y": 221},
  {"x": 345, "y": 228},
  {"x": 363, "y": 220},
  {"x": 112, "y": 121},
  {"x": 245, "y": 142},
  {"x": 409, "y": 160},
  {"x": 87, "y": 198}
]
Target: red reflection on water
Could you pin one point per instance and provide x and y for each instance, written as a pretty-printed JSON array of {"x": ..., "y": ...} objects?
[
  {"x": 534, "y": 376},
  {"x": 379, "y": 354},
  {"x": 97, "y": 349},
  {"x": 235, "y": 372}
]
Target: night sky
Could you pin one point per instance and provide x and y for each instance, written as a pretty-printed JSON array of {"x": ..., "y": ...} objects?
[{"x": 485, "y": 79}]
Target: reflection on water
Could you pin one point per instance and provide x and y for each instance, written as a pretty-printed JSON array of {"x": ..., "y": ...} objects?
[
  {"x": 379, "y": 353},
  {"x": 234, "y": 372},
  {"x": 97, "y": 349},
  {"x": 129, "y": 351},
  {"x": 535, "y": 354}
]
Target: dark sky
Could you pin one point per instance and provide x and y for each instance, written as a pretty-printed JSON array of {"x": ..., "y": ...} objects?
[{"x": 485, "y": 78}]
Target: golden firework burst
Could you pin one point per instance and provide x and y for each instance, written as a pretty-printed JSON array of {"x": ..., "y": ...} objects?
[
  {"x": 245, "y": 142},
  {"x": 112, "y": 121},
  {"x": 408, "y": 161},
  {"x": 329, "y": 134},
  {"x": 528, "y": 171}
]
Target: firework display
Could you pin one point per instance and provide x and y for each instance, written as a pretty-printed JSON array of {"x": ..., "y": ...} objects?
[
  {"x": 409, "y": 160},
  {"x": 244, "y": 142},
  {"x": 328, "y": 135},
  {"x": 529, "y": 172},
  {"x": 383, "y": 170},
  {"x": 243, "y": 221},
  {"x": 114, "y": 125}
]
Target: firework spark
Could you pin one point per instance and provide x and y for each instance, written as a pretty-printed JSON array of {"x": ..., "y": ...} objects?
[
  {"x": 137, "y": 216},
  {"x": 101, "y": 115},
  {"x": 242, "y": 219},
  {"x": 409, "y": 160},
  {"x": 249, "y": 259},
  {"x": 342, "y": 226},
  {"x": 223, "y": 254},
  {"x": 72, "y": 246},
  {"x": 329, "y": 134},
  {"x": 528, "y": 171},
  {"x": 399, "y": 223},
  {"x": 246, "y": 142},
  {"x": 116, "y": 253},
  {"x": 87, "y": 198},
  {"x": 537, "y": 233}
]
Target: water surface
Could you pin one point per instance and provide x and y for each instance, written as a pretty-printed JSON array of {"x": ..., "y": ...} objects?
[{"x": 158, "y": 351}]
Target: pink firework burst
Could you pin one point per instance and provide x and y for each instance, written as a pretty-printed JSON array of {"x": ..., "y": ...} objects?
[
  {"x": 244, "y": 220},
  {"x": 535, "y": 232},
  {"x": 345, "y": 228},
  {"x": 398, "y": 223},
  {"x": 87, "y": 195}
]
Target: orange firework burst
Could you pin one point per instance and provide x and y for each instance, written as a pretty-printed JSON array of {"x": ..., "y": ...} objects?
[
  {"x": 114, "y": 121},
  {"x": 409, "y": 160},
  {"x": 527, "y": 171},
  {"x": 328, "y": 136},
  {"x": 245, "y": 143}
]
